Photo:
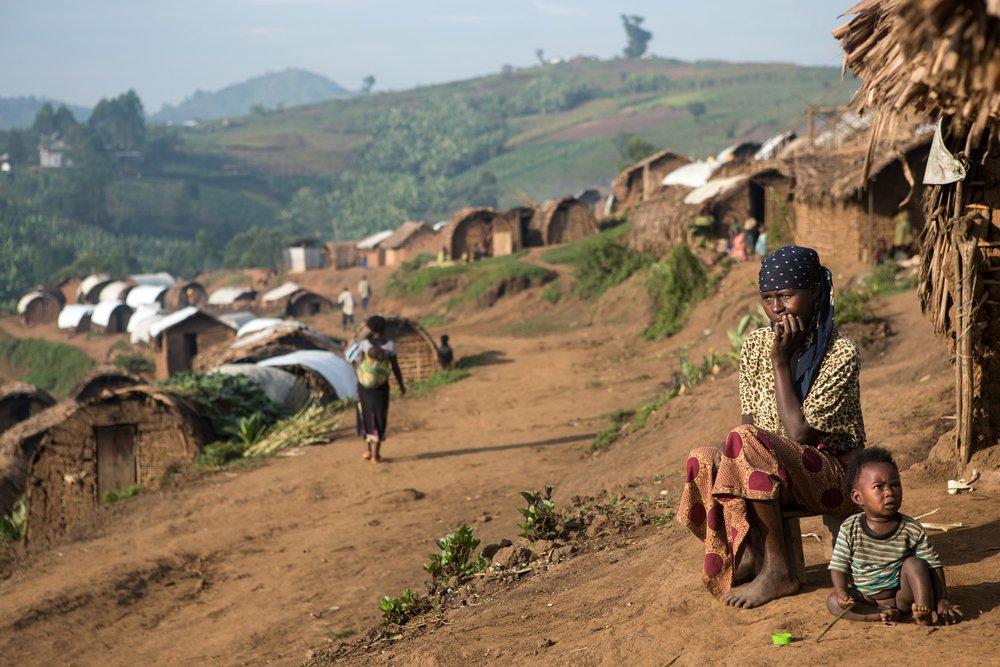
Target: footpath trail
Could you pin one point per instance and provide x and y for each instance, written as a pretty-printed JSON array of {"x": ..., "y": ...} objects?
[{"x": 262, "y": 563}]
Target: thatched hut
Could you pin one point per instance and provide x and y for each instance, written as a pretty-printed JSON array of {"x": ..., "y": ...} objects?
[
  {"x": 415, "y": 348},
  {"x": 276, "y": 340},
  {"x": 661, "y": 222},
  {"x": 517, "y": 222},
  {"x": 564, "y": 220},
  {"x": 20, "y": 401},
  {"x": 409, "y": 240},
  {"x": 110, "y": 317},
  {"x": 38, "y": 307},
  {"x": 326, "y": 374},
  {"x": 101, "y": 379},
  {"x": 940, "y": 59},
  {"x": 75, "y": 317},
  {"x": 232, "y": 298},
  {"x": 79, "y": 453},
  {"x": 184, "y": 293},
  {"x": 89, "y": 290},
  {"x": 180, "y": 336},
  {"x": 467, "y": 230},
  {"x": 644, "y": 179}
]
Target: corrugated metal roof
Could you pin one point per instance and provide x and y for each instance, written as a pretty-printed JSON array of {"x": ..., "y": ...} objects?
[
  {"x": 331, "y": 366},
  {"x": 280, "y": 292},
  {"x": 71, "y": 315},
  {"x": 144, "y": 295},
  {"x": 103, "y": 311},
  {"x": 372, "y": 241},
  {"x": 714, "y": 189},
  {"x": 227, "y": 295}
]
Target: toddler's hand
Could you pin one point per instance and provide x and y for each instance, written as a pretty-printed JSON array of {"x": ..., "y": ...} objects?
[
  {"x": 947, "y": 612},
  {"x": 844, "y": 600}
]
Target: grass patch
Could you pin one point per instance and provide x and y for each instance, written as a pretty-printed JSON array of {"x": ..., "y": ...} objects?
[
  {"x": 552, "y": 293},
  {"x": 127, "y": 492},
  {"x": 343, "y": 634},
  {"x": 438, "y": 378},
  {"x": 435, "y": 320},
  {"x": 54, "y": 367},
  {"x": 608, "y": 435},
  {"x": 135, "y": 363},
  {"x": 239, "y": 280},
  {"x": 599, "y": 262},
  {"x": 572, "y": 253},
  {"x": 854, "y": 305},
  {"x": 540, "y": 325},
  {"x": 12, "y": 525},
  {"x": 674, "y": 285}
]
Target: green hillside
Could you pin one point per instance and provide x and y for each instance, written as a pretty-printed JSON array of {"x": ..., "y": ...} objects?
[{"x": 151, "y": 197}]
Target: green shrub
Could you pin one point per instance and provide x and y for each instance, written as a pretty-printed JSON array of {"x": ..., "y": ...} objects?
[
  {"x": 225, "y": 399},
  {"x": 605, "y": 264},
  {"x": 135, "y": 363},
  {"x": 456, "y": 562},
  {"x": 127, "y": 492},
  {"x": 218, "y": 454},
  {"x": 54, "y": 367},
  {"x": 540, "y": 519},
  {"x": 851, "y": 306},
  {"x": 674, "y": 285},
  {"x": 12, "y": 525},
  {"x": 552, "y": 293}
]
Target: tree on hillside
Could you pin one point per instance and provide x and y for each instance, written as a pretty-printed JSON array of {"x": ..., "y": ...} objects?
[
  {"x": 486, "y": 191},
  {"x": 367, "y": 84},
  {"x": 49, "y": 122},
  {"x": 638, "y": 37},
  {"x": 697, "y": 109},
  {"x": 631, "y": 148},
  {"x": 540, "y": 54},
  {"x": 120, "y": 122}
]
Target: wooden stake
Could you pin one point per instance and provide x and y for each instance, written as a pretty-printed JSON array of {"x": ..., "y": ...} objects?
[{"x": 846, "y": 609}]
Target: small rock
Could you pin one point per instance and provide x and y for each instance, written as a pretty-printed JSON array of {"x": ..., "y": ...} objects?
[
  {"x": 512, "y": 557},
  {"x": 490, "y": 550}
]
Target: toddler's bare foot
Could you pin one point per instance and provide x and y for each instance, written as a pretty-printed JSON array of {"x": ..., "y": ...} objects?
[
  {"x": 923, "y": 615},
  {"x": 889, "y": 614}
]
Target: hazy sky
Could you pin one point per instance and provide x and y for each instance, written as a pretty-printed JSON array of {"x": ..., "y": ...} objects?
[{"x": 80, "y": 51}]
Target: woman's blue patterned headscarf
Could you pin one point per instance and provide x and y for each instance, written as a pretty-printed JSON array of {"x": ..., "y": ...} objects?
[{"x": 795, "y": 267}]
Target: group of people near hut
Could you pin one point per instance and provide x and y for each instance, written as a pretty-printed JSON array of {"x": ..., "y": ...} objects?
[
  {"x": 742, "y": 241},
  {"x": 800, "y": 447}
]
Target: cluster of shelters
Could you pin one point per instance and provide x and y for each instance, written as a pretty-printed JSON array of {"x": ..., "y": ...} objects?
[
  {"x": 939, "y": 59},
  {"x": 807, "y": 189}
]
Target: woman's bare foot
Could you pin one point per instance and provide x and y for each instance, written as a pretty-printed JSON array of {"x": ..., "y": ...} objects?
[
  {"x": 746, "y": 570},
  {"x": 923, "y": 615},
  {"x": 765, "y": 587}
]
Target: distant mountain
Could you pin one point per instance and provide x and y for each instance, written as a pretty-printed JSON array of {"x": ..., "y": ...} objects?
[
  {"x": 274, "y": 90},
  {"x": 20, "y": 111}
]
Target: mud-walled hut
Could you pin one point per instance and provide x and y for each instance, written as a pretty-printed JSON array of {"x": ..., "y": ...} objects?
[
  {"x": 39, "y": 307},
  {"x": 939, "y": 59},
  {"x": 409, "y": 240},
  {"x": 180, "y": 336},
  {"x": 342, "y": 254},
  {"x": 415, "y": 348},
  {"x": 326, "y": 374},
  {"x": 275, "y": 340},
  {"x": 101, "y": 379},
  {"x": 20, "y": 401},
  {"x": 89, "y": 290},
  {"x": 84, "y": 451},
  {"x": 110, "y": 317},
  {"x": 75, "y": 318},
  {"x": 370, "y": 252},
  {"x": 643, "y": 180},
  {"x": 291, "y": 300},
  {"x": 467, "y": 230},
  {"x": 184, "y": 293},
  {"x": 564, "y": 220},
  {"x": 232, "y": 298}
]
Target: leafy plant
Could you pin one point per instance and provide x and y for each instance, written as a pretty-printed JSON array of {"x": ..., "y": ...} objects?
[
  {"x": 135, "y": 363},
  {"x": 609, "y": 434},
  {"x": 456, "y": 562},
  {"x": 249, "y": 429},
  {"x": 552, "y": 293},
  {"x": 225, "y": 399},
  {"x": 674, "y": 285},
  {"x": 12, "y": 525},
  {"x": 127, "y": 492},
  {"x": 540, "y": 519},
  {"x": 397, "y": 611},
  {"x": 747, "y": 325},
  {"x": 604, "y": 264},
  {"x": 218, "y": 454}
]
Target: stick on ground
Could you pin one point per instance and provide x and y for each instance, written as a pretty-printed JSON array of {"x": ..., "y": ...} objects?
[{"x": 846, "y": 609}]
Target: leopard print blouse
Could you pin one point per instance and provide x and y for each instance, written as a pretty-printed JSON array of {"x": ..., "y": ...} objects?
[{"x": 833, "y": 404}]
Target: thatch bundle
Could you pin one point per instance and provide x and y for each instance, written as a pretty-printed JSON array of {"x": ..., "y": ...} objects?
[{"x": 937, "y": 57}]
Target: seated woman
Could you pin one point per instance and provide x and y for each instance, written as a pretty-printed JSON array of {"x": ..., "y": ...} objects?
[{"x": 801, "y": 406}]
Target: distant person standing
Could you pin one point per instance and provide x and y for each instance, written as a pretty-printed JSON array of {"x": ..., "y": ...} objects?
[
  {"x": 346, "y": 301},
  {"x": 446, "y": 356},
  {"x": 364, "y": 292}
]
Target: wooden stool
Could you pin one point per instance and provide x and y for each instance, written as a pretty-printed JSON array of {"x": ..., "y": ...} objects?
[{"x": 793, "y": 538}]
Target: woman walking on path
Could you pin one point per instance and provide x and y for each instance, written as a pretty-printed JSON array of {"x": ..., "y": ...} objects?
[
  {"x": 801, "y": 405},
  {"x": 376, "y": 356}
]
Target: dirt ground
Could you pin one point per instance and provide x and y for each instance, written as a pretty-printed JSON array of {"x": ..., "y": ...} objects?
[{"x": 274, "y": 562}]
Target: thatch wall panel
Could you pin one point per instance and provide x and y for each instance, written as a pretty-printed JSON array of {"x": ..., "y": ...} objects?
[
  {"x": 415, "y": 348},
  {"x": 19, "y": 402},
  {"x": 564, "y": 220}
]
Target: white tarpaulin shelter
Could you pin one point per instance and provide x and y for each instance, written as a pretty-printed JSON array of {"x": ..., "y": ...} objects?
[
  {"x": 72, "y": 315},
  {"x": 145, "y": 295},
  {"x": 280, "y": 386},
  {"x": 337, "y": 372},
  {"x": 714, "y": 189},
  {"x": 692, "y": 175}
]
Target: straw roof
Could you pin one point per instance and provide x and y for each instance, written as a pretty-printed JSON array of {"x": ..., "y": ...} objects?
[
  {"x": 107, "y": 376},
  {"x": 404, "y": 233},
  {"x": 24, "y": 390},
  {"x": 936, "y": 57}
]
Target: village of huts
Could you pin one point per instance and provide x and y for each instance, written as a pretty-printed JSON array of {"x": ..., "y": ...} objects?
[{"x": 464, "y": 439}]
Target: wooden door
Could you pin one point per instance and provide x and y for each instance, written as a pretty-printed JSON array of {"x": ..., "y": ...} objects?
[
  {"x": 115, "y": 457},
  {"x": 503, "y": 244}
]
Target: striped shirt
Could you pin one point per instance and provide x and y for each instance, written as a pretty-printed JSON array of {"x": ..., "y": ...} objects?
[{"x": 874, "y": 562}]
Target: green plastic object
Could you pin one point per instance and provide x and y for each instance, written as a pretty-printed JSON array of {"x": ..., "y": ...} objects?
[{"x": 781, "y": 638}]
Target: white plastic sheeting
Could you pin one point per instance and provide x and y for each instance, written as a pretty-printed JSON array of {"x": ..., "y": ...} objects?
[
  {"x": 337, "y": 372},
  {"x": 260, "y": 324},
  {"x": 161, "y": 279},
  {"x": 280, "y": 292},
  {"x": 104, "y": 310},
  {"x": 25, "y": 301},
  {"x": 280, "y": 386},
  {"x": 714, "y": 189},
  {"x": 237, "y": 319},
  {"x": 71, "y": 316},
  {"x": 769, "y": 149},
  {"x": 90, "y": 282},
  {"x": 139, "y": 329},
  {"x": 115, "y": 291},
  {"x": 692, "y": 175},
  {"x": 143, "y": 313},
  {"x": 225, "y": 296},
  {"x": 372, "y": 241},
  {"x": 145, "y": 295}
]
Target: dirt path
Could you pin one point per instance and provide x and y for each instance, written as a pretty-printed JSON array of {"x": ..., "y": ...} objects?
[{"x": 262, "y": 564}]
